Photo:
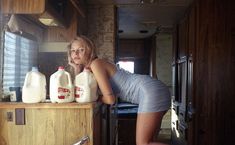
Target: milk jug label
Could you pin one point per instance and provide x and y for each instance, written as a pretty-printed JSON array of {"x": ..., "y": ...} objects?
[
  {"x": 63, "y": 93},
  {"x": 79, "y": 91}
]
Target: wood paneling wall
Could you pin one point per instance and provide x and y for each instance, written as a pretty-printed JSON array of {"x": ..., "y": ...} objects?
[
  {"x": 207, "y": 34},
  {"x": 131, "y": 48},
  {"x": 183, "y": 38},
  {"x": 215, "y": 69},
  {"x": 137, "y": 50}
]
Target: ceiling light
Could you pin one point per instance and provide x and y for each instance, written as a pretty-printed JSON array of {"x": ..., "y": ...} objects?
[
  {"x": 51, "y": 17},
  {"x": 48, "y": 21}
]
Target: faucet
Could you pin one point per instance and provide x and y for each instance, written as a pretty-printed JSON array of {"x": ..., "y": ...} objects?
[{"x": 82, "y": 141}]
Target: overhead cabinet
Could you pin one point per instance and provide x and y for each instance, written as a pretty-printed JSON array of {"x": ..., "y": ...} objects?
[
  {"x": 22, "y": 6},
  {"x": 46, "y": 11}
]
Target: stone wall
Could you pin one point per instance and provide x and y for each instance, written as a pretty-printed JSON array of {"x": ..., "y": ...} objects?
[
  {"x": 163, "y": 68},
  {"x": 163, "y": 58},
  {"x": 102, "y": 29}
]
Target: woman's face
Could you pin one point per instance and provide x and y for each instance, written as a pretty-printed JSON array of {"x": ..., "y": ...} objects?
[{"x": 77, "y": 53}]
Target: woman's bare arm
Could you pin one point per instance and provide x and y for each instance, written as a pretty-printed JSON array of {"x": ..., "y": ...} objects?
[{"x": 99, "y": 70}]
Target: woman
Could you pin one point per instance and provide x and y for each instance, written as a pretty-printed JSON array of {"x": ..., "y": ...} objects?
[{"x": 152, "y": 95}]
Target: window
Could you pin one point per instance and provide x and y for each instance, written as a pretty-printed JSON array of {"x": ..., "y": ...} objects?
[
  {"x": 20, "y": 54},
  {"x": 127, "y": 65}
]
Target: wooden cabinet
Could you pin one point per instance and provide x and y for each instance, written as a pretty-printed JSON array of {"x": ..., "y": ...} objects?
[
  {"x": 22, "y": 6},
  {"x": 65, "y": 34},
  {"x": 49, "y": 124},
  {"x": 203, "y": 110},
  {"x": 58, "y": 34}
]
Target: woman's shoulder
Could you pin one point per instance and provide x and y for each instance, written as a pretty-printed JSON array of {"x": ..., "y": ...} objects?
[
  {"x": 97, "y": 61},
  {"x": 103, "y": 64},
  {"x": 101, "y": 61}
]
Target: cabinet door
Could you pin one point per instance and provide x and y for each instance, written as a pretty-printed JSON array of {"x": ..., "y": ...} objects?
[
  {"x": 44, "y": 126},
  {"x": 179, "y": 107}
]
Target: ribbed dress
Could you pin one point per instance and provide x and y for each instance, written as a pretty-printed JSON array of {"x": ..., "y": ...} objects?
[{"x": 150, "y": 94}]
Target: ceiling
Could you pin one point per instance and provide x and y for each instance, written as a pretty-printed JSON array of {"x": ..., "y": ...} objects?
[{"x": 153, "y": 16}]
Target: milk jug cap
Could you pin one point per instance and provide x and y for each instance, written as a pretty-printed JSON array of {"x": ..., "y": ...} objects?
[
  {"x": 87, "y": 69},
  {"x": 60, "y": 68},
  {"x": 35, "y": 69}
]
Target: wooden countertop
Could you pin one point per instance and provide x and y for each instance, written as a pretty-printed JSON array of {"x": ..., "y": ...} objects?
[{"x": 49, "y": 105}]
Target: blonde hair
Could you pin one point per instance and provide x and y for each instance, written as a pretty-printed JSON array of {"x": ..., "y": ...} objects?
[{"x": 89, "y": 47}]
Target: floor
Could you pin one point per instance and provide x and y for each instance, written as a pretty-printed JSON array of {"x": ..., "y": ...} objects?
[
  {"x": 127, "y": 127},
  {"x": 165, "y": 136},
  {"x": 126, "y": 133}
]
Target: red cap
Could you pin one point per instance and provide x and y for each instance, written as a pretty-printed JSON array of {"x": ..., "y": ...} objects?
[
  {"x": 60, "y": 67},
  {"x": 87, "y": 69}
]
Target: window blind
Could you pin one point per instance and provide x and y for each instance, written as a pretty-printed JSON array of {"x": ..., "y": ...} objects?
[{"x": 20, "y": 54}]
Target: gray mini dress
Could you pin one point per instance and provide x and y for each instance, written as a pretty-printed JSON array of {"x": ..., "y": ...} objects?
[{"x": 150, "y": 94}]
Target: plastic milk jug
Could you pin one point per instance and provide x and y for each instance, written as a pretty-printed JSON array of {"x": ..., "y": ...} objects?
[
  {"x": 61, "y": 87},
  {"x": 85, "y": 87},
  {"x": 34, "y": 88}
]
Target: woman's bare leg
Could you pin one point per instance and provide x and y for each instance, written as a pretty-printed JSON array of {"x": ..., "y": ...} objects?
[{"x": 147, "y": 125}]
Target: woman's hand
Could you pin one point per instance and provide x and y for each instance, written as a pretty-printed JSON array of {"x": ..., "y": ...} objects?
[{"x": 77, "y": 67}]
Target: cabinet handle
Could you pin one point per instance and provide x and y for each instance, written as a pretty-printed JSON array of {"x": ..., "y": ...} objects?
[
  {"x": 82, "y": 141},
  {"x": 191, "y": 112}
]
